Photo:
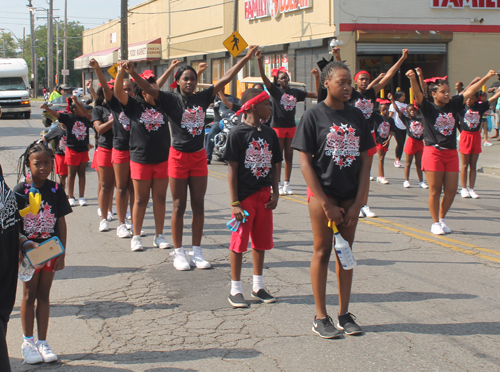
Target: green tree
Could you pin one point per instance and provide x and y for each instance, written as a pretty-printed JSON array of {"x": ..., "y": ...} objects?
[
  {"x": 9, "y": 47},
  {"x": 75, "y": 31}
]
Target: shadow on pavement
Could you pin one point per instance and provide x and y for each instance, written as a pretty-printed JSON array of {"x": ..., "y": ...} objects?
[
  {"x": 457, "y": 329},
  {"x": 87, "y": 272}
]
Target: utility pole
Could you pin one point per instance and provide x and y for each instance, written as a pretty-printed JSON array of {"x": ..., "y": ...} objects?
[
  {"x": 233, "y": 60},
  {"x": 65, "y": 48},
  {"x": 33, "y": 57},
  {"x": 57, "y": 52},
  {"x": 124, "y": 30},
  {"x": 50, "y": 43},
  {"x": 24, "y": 39}
]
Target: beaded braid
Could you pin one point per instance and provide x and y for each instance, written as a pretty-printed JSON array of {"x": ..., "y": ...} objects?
[{"x": 24, "y": 160}]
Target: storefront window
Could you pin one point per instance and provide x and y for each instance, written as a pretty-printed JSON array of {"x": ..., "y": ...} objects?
[{"x": 275, "y": 61}]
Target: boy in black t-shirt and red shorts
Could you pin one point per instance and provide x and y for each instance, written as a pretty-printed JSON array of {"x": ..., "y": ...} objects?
[
  {"x": 254, "y": 158},
  {"x": 333, "y": 140}
]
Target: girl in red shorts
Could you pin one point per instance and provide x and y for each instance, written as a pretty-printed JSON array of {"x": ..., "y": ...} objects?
[
  {"x": 187, "y": 164},
  {"x": 283, "y": 122},
  {"x": 102, "y": 119},
  {"x": 76, "y": 124},
  {"x": 414, "y": 145},
  {"x": 149, "y": 149},
  {"x": 333, "y": 140},
  {"x": 469, "y": 145},
  {"x": 440, "y": 158},
  {"x": 58, "y": 135},
  {"x": 48, "y": 223},
  {"x": 254, "y": 155},
  {"x": 384, "y": 130}
]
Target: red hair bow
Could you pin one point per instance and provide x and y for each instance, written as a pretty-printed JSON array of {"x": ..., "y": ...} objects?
[
  {"x": 275, "y": 71},
  {"x": 147, "y": 74},
  {"x": 255, "y": 100},
  {"x": 434, "y": 79},
  {"x": 174, "y": 84},
  {"x": 383, "y": 101}
]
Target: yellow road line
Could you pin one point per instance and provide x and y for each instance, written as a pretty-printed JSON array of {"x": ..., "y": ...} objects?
[{"x": 293, "y": 199}]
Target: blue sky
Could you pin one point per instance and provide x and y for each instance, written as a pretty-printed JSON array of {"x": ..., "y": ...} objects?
[{"x": 91, "y": 13}]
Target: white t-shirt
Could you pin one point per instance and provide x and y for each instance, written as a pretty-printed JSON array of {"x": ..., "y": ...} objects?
[{"x": 397, "y": 120}]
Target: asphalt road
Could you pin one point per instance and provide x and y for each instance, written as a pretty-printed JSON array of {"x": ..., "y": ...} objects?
[{"x": 426, "y": 303}]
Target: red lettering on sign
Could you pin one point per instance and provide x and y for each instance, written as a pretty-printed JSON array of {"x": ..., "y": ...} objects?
[{"x": 490, "y": 4}]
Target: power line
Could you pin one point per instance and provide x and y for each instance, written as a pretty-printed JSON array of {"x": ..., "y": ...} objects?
[{"x": 184, "y": 10}]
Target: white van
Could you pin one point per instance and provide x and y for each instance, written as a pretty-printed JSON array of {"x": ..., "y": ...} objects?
[{"x": 14, "y": 87}]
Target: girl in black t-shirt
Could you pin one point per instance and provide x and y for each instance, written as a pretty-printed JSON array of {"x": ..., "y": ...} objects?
[
  {"x": 47, "y": 223},
  {"x": 58, "y": 135},
  {"x": 187, "y": 165},
  {"x": 440, "y": 158},
  {"x": 384, "y": 130},
  {"x": 333, "y": 140},
  {"x": 283, "y": 121}
]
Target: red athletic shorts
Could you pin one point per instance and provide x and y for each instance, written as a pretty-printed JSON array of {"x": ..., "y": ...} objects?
[
  {"x": 444, "y": 160},
  {"x": 258, "y": 225},
  {"x": 140, "y": 171},
  {"x": 120, "y": 157},
  {"x": 182, "y": 165},
  {"x": 75, "y": 158},
  {"x": 49, "y": 265},
  {"x": 94, "y": 165},
  {"x": 412, "y": 146},
  {"x": 104, "y": 157},
  {"x": 60, "y": 166},
  {"x": 379, "y": 146},
  {"x": 470, "y": 143},
  {"x": 285, "y": 132},
  {"x": 310, "y": 194},
  {"x": 373, "y": 150}
]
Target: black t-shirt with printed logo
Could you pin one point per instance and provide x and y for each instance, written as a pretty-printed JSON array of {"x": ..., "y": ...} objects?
[
  {"x": 77, "y": 131},
  {"x": 383, "y": 127},
  {"x": 149, "y": 133},
  {"x": 103, "y": 114},
  {"x": 414, "y": 128},
  {"x": 256, "y": 153},
  {"x": 284, "y": 105},
  {"x": 365, "y": 102},
  {"x": 335, "y": 138},
  {"x": 59, "y": 136},
  {"x": 187, "y": 118},
  {"x": 121, "y": 126},
  {"x": 440, "y": 123},
  {"x": 470, "y": 116},
  {"x": 43, "y": 225}
]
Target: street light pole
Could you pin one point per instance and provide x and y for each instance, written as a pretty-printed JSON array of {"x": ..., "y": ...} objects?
[
  {"x": 65, "y": 48},
  {"x": 50, "y": 51},
  {"x": 57, "y": 51},
  {"x": 124, "y": 30},
  {"x": 33, "y": 58}
]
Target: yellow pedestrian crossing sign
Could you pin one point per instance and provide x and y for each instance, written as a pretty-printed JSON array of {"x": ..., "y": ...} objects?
[
  {"x": 235, "y": 44},
  {"x": 113, "y": 70}
]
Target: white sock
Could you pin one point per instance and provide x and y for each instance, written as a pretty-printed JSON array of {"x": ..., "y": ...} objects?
[
  {"x": 41, "y": 342},
  {"x": 257, "y": 283},
  {"x": 179, "y": 250},
  {"x": 236, "y": 287},
  {"x": 196, "y": 249},
  {"x": 287, "y": 183},
  {"x": 30, "y": 339},
  {"x": 279, "y": 184},
  {"x": 437, "y": 223},
  {"x": 464, "y": 188},
  {"x": 136, "y": 236},
  {"x": 442, "y": 220}
]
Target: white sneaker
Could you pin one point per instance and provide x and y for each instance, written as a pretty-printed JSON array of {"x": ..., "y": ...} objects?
[
  {"x": 30, "y": 353},
  {"x": 136, "y": 244},
  {"x": 465, "y": 193},
  {"x": 196, "y": 259},
  {"x": 367, "y": 212},
  {"x": 82, "y": 202},
  {"x": 160, "y": 242},
  {"x": 445, "y": 228},
  {"x": 104, "y": 225},
  {"x": 423, "y": 185},
  {"x": 143, "y": 233},
  {"x": 46, "y": 352},
  {"x": 398, "y": 164},
  {"x": 128, "y": 216},
  {"x": 280, "y": 190},
  {"x": 406, "y": 184},
  {"x": 110, "y": 216},
  {"x": 382, "y": 180},
  {"x": 113, "y": 210},
  {"x": 361, "y": 214},
  {"x": 473, "y": 194},
  {"x": 99, "y": 213},
  {"x": 372, "y": 178},
  {"x": 180, "y": 261},
  {"x": 72, "y": 202},
  {"x": 128, "y": 225},
  {"x": 287, "y": 190},
  {"x": 122, "y": 231},
  {"x": 436, "y": 229}
]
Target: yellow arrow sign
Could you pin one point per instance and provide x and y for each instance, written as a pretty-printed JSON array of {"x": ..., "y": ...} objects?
[
  {"x": 235, "y": 44},
  {"x": 113, "y": 70}
]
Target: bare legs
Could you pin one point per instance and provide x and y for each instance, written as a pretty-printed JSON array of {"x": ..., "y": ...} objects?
[
  {"x": 142, "y": 189},
  {"x": 418, "y": 165},
  {"x": 469, "y": 162},
  {"x": 441, "y": 181},
  {"x": 124, "y": 190},
  {"x": 73, "y": 170},
  {"x": 286, "y": 148},
  {"x": 107, "y": 183}
]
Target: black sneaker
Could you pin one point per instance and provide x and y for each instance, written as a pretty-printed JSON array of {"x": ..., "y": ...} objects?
[
  {"x": 324, "y": 328},
  {"x": 265, "y": 297},
  {"x": 237, "y": 300},
  {"x": 348, "y": 325}
]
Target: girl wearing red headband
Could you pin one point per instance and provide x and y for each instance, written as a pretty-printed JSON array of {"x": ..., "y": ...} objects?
[
  {"x": 384, "y": 128},
  {"x": 283, "y": 122},
  {"x": 333, "y": 140},
  {"x": 440, "y": 158},
  {"x": 254, "y": 156},
  {"x": 187, "y": 165}
]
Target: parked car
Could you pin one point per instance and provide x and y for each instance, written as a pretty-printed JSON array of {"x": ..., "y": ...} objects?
[
  {"x": 78, "y": 92},
  {"x": 59, "y": 104}
]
